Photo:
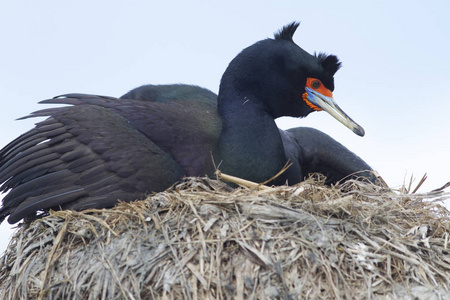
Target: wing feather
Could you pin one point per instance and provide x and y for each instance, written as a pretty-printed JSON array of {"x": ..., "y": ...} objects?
[{"x": 82, "y": 156}]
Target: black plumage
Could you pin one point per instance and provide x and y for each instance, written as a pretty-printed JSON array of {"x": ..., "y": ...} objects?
[{"x": 101, "y": 149}]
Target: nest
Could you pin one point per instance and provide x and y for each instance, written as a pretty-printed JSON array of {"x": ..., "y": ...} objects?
[{"x": 203, "y": 240}]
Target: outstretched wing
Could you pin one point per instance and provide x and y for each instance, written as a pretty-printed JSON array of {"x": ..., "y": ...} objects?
[{"x": 82, "y": 156}]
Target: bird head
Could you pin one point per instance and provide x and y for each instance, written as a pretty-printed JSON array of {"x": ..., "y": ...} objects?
[{"x": 284, "y": 78}]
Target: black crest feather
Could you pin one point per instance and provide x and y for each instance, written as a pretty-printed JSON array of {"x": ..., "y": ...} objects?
[
  {"x": 330, "y": 63},
  {"x": 287, "y": 32}
]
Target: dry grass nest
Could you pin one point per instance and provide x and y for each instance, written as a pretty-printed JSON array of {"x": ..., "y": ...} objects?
[{"x": 203, "y": 240}]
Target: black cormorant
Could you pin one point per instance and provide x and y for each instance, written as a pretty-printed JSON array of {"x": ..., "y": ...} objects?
[{"x": 101, "y": 149}]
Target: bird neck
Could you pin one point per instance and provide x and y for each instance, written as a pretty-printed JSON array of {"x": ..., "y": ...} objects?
[{"x": 250, "y": 145}]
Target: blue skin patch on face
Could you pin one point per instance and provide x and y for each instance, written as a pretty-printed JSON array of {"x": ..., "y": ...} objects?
[{"x": 312, "y": 96}]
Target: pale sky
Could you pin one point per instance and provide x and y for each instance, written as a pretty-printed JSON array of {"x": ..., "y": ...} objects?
[{"x": 394, "y": 80}]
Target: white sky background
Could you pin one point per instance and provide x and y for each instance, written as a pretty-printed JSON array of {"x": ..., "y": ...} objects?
[{"x": 394, "y": 81}]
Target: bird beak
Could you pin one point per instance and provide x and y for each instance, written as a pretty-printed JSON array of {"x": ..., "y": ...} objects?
[{"x": 331, "y": 107}]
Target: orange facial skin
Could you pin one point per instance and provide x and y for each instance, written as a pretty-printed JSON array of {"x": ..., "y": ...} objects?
[{"x": 316, "y": 85}]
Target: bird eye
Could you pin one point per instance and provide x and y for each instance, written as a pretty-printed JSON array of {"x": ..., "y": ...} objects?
[{"x": 315, "y": 84}]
